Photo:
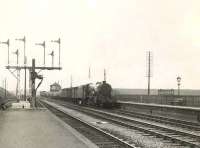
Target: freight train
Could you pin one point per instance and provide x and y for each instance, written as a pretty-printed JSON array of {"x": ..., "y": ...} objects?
[{"x": 99, "y": 94}]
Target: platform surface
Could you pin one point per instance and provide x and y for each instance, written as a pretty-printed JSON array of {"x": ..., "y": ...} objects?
[{"x": 37, "y": 129}]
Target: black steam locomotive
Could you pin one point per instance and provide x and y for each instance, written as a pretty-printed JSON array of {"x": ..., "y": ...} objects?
[{"x": 99, "y": 94}]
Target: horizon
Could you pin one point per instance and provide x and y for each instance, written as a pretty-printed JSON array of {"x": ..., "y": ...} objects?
[{"x": 111, "y": 35}]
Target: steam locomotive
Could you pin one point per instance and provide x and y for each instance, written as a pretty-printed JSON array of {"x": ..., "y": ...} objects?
[{"x": 99, "y": 94}]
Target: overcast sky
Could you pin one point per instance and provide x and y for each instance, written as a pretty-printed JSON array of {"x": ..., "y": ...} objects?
[{"x": 111, "y": 34}]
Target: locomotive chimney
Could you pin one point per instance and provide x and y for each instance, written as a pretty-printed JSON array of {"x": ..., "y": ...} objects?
[{"x": 105, "y": 75}]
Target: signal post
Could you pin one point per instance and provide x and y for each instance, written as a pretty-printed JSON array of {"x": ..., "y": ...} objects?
[{"x": 32, "y": 70}]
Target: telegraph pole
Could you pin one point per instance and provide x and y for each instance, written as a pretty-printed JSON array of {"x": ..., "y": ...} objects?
[
  {"x": 149, "y": 69},
  {"x": 25, "y": 79},
  {"x": 71, "y": 92}
]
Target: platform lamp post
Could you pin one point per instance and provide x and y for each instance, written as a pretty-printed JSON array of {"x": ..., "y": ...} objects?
[
  {"x": 8, "y": 44},
  {"x": 178, "y": 83}
]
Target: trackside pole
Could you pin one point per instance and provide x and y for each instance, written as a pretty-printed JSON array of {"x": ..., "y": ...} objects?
[{"x": 33, "y": 92}]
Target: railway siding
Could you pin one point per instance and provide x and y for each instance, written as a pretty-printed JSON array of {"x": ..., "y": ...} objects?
[{"x": 191, "y": 114}]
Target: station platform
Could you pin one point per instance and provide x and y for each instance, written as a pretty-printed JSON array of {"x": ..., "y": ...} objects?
[{"x": 28, "y": 128}]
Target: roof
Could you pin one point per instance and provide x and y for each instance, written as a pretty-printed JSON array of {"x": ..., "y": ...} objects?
[{"x": 55, "y": 84}]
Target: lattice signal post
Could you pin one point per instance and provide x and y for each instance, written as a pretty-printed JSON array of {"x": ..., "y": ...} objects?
[
  {"x": 25, "y": 62},
  {"x": 32, "y": 70},
  {"x": 18, "y": 75}
]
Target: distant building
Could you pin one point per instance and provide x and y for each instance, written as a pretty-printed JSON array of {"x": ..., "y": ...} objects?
[
  {"x": 55, "y": 87},
  {"x": 166, "y": 92}
]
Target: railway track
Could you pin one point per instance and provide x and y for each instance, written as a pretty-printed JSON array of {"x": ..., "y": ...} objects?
[
  {"x": 39, "y": 104},
  {"x": 175, "y": 136},
  {"x": 102, "y": 139},
  {"x": 169, "y": 121}
]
